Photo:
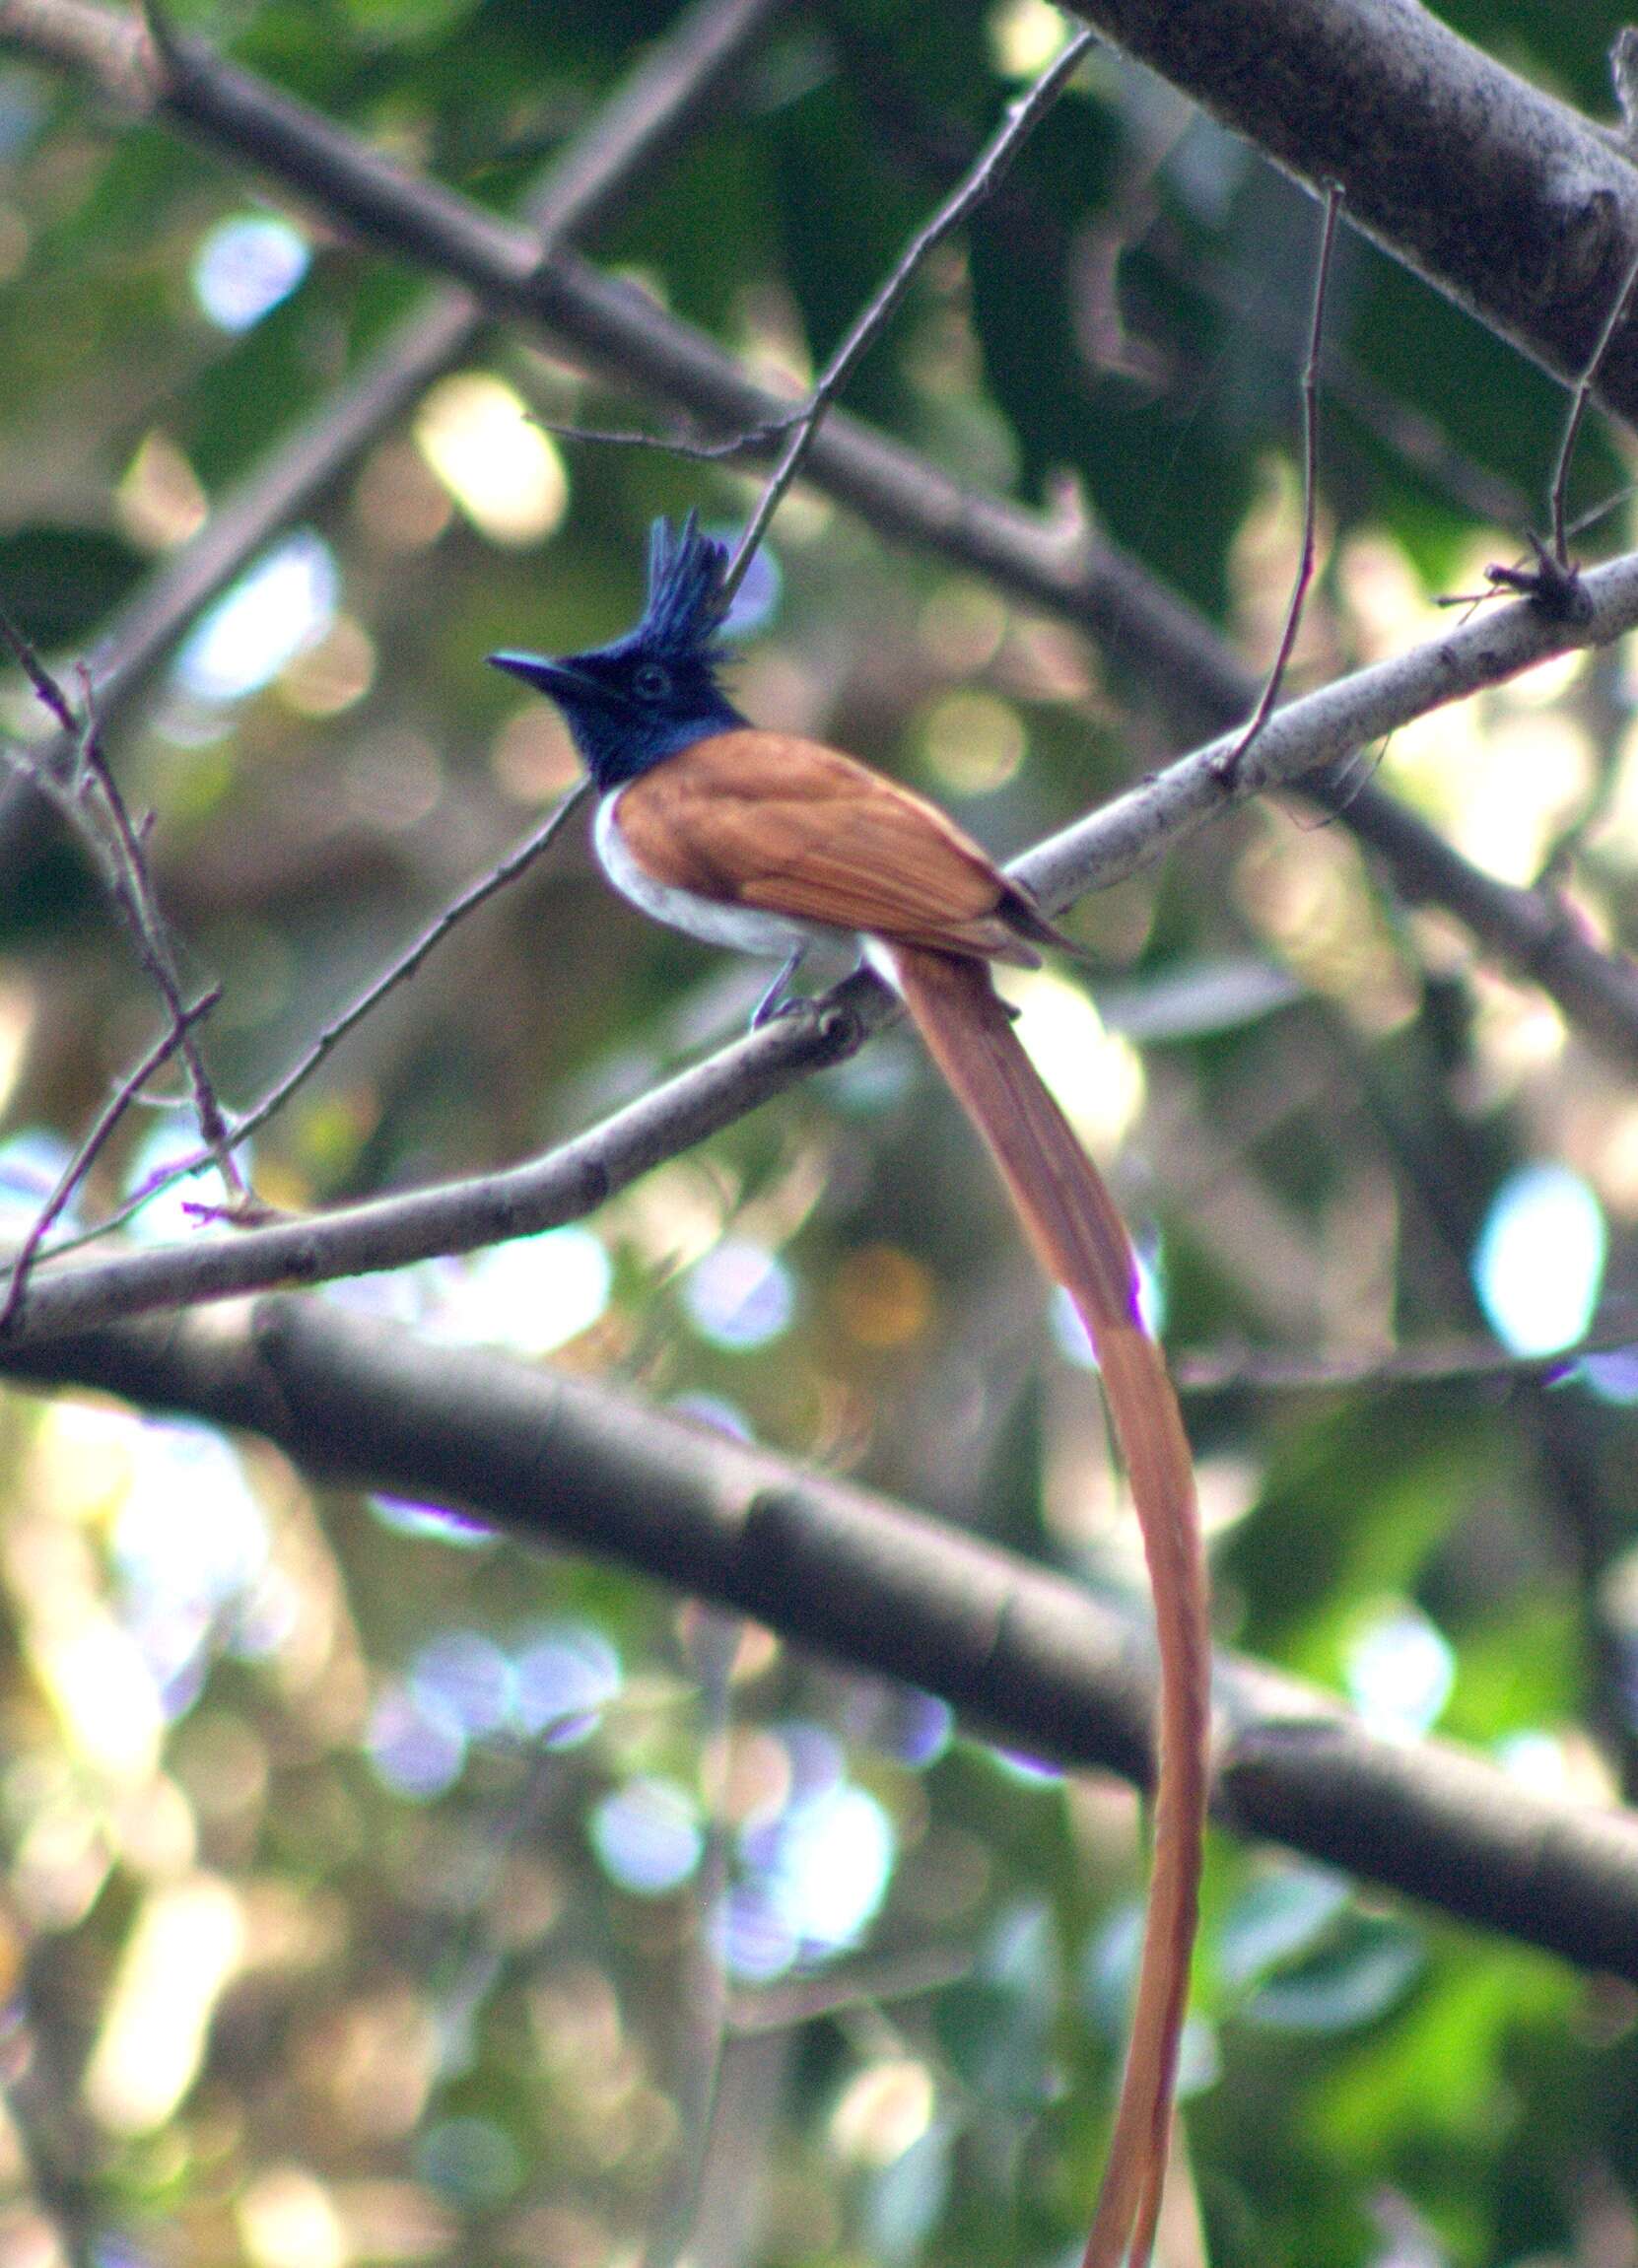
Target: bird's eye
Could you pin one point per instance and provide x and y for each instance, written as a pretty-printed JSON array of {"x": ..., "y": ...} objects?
[{"x": 651, "y": 682}]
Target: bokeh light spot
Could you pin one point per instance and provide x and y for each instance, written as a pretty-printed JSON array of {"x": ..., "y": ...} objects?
[
  {"x": 648, "y": 1835},
  {"x": 533, "y": 1294},
  {"x": 1540, "y": 1263},
  {"x": 416, "y": 1753},
  {"x": 1399, "y": 1671},
  {"x": 502, "y": 471},
  {"x": 739, "y": 1296},
  {"x": 471, "y": 2159},
  {"x": 464, "y": 1677},
  {"x": 285, "y": 605},
  {"x": 246, "y": 266},
  {"x": 1096, "y": 1075},
  {"x": 563, "y": 1681},
  {"x": 883, "y": 1297},
  {"x": 166, "y": 1214},
  {"x": 431, "y": 1523},
  {"x": 972, "y": 742},
  {"x": 825, "y": 1867}
]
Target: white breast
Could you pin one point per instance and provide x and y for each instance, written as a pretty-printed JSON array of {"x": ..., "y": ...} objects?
[{"x": 742, "y": 928}]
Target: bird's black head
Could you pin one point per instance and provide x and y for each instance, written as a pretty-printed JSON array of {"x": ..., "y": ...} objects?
[{"x": 653, "y": 692}]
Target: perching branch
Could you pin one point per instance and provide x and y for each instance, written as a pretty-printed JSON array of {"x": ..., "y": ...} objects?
[
  {"x": 1071, "y": 572},
  {"x": 1029, "y": 1657},
  {"x": 570, "y": 1181}
]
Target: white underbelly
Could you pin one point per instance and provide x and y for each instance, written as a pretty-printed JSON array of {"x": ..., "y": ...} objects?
[{"x": 743, "y": 928}]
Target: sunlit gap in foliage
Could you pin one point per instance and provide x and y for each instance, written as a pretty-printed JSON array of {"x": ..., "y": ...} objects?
[
  {"x": 280, "y": 608},
  {"x": 497, "y": 466},
  {"x": 174, "y": 1210},
  {"x": 550, "y": 1688},
  {"x": 245, "y": 266},
  {"x": 1399, "y": 1671},
  {"x": 533, "y": 1294},
  {"x": 739, "y": 1296},
  {"x": 1539, "y": 1267}
]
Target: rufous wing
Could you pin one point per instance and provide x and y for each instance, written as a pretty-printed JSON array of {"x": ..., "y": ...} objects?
[{"x": 790, "y": 826}]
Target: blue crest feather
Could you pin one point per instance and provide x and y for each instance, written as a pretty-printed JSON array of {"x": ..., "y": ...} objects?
[{"x": 685, "y": 605}]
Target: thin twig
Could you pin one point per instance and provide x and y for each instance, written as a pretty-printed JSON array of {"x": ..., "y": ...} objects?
[
  {"x": 1143, "y": 626},
  {"x": 980, "y": 182},
  {"x": 684, "y": 445},
  {"x": 1578, "y": 411},
  {"x": 1311, "y": 485},
  {"x": 643, "y": 123},
  {"x": 1457, "y": 1361},
  {"x": 84, "y": 1157},
  {"x": 92, "y": 801},
  {"x": 567, "y": 1184},
  {"x": 479, "y": 893},
  {"x": 332, "y": 1033},
  {"x": 134, "y": 894}
]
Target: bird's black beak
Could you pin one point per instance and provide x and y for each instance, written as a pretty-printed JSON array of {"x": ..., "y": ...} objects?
[{"x": 548, "y": 677}]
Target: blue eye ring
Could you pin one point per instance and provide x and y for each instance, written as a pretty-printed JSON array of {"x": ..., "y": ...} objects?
[{"x": 650, "y": 682}]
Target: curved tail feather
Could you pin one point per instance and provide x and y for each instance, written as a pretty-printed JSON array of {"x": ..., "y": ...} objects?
[{"x": 1078, "y": 1234}]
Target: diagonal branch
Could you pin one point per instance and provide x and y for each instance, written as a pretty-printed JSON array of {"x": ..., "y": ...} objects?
[
  {"x": 568, "y": 1183},
  {"x": 640, "y": 126},
  {"x": 1074, "y": 574},
  {"x": 1028, "y": 1655}
]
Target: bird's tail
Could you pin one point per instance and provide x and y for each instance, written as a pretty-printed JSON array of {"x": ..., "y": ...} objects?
[{"x": 1073, "y": 1223}]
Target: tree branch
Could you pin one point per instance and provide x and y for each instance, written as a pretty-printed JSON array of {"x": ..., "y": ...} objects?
[
  {"x": 1030, "y": 1657},
  {"x": 1072, "y": 573},
  {"x": 568, "y": 1183},
  {"x": 640, "y": 126},
  {"x": 1505, "y": 199}
]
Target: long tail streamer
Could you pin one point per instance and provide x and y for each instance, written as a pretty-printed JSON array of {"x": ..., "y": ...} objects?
[{"x": 1077, "y": 1232}]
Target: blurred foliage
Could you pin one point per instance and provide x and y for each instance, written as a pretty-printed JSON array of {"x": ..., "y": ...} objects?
[{"x": 364, "y": 1878}]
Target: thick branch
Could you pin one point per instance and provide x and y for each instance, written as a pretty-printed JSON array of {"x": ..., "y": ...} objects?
[
  {"x": 566, "y": 1183},
  {"x": 1029, "y": 1656},
  {"x": 1508, "y": 201}
]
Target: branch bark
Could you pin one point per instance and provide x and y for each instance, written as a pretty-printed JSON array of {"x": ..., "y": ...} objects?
[
  {"x": 1074, "y": 574},
  {"x": 570, "y": 1181},
  {"x": 1505, "y": 199},
  {"x": 1028, "y": 1655},
  {"x": 641, "y": 126}
]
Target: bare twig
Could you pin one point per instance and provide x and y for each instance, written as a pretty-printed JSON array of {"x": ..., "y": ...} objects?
[
  {"x": 1311, "y": 485},
  {"x": 1317, "y": 728},
  {"x": 1445, "y": 1362},
  {"x": 1583, "y": 395},
  {"x": 982, "y": 182},
  {"x": 633, "y": 134},
  {"x": 134, "y": 894},
  {"x": 84, "y": 1157},
  {"x": 617, "y": 331},
  {"x": 90, "y": 799},
  {"x": 245, "y": 1123},
  {"x": 479, "y": 893}
]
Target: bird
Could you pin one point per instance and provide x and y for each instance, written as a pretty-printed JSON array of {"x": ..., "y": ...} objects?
[{"x": 766, "y": 842}]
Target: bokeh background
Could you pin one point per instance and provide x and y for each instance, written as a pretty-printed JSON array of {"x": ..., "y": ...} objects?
[{"x": 372, "y": 1890}]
